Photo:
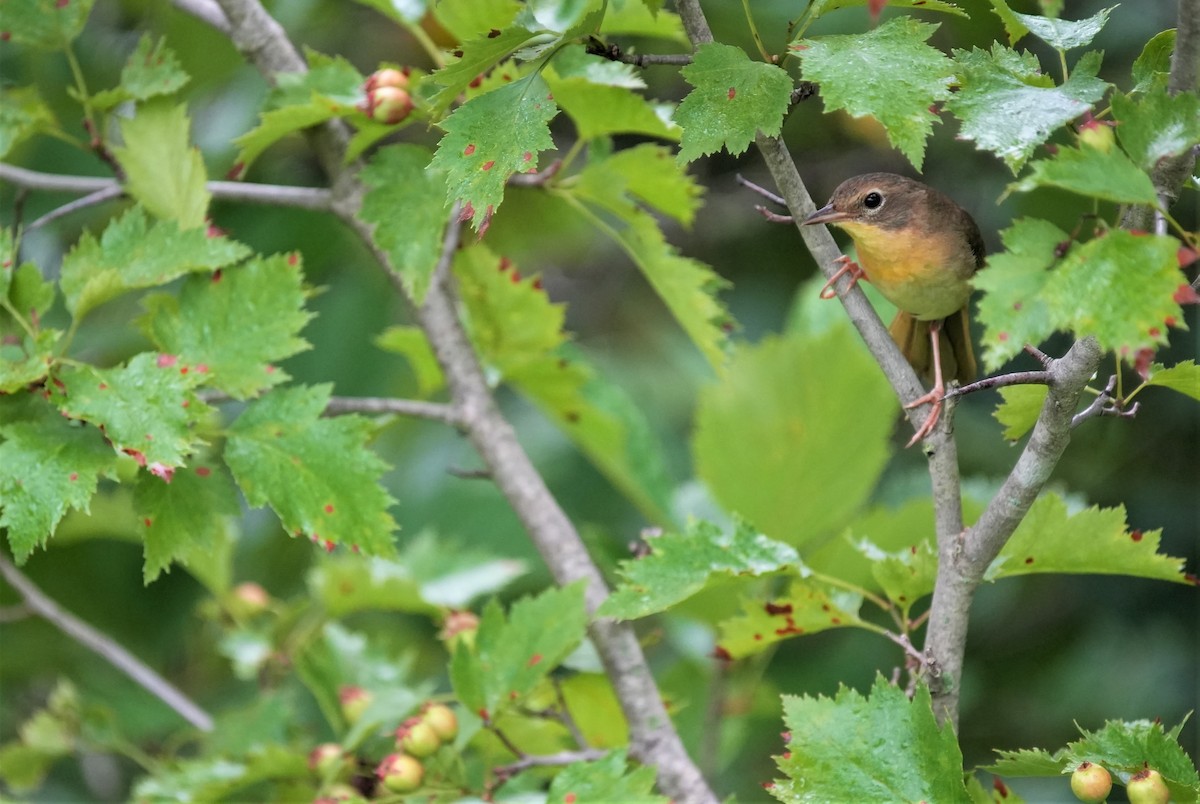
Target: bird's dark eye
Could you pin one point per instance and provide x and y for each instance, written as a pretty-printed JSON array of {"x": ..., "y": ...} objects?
[{"x": 872, "y": 200}]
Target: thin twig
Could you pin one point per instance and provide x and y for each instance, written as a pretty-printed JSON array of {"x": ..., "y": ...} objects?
[
  {"x": 1105, "y": 404},
  {"x": 89, "y": 200},
  {"x": 549, "y": 760},
  {"x": 105, "y": 647},
  {"x": 434, "y": 411},
  {"x": 1001, "y": 381}
]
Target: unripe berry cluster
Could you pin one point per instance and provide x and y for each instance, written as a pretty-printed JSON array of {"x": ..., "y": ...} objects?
[{"x": 387, "y": 98}]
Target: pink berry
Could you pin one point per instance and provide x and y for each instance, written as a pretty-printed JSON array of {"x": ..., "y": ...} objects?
[
  {"x": 400, "y": 773},
  {"x": 1091, "y": 782}
]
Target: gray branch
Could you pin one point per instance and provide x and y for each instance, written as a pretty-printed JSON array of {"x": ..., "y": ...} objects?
[{"x": 36, "y": 601}]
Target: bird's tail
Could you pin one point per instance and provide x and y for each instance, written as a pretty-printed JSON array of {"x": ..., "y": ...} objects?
[{"x": 954, "y": 343}]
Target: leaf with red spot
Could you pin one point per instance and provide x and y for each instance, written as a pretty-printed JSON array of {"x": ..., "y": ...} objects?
[
  {"x": 496, "y": 673},
  {"x": 733, "y": 99},
  {"x": 1095, "y": 541},
  {"x": 682, "y": 564},
  {"x": 44, "y": 24},
  {"x": 135, "y": 252},
  {"x": 503, "y": 125},
  {"x": 151, "y": 70},
  {"x": 603, "y": 781},
  {"x": 478, "y": 56},
  {"x": 48, "y": 466},
  {"x": 140, "y": 406},
  {"x": 285, "y": 455},
  {"x": 232, "y": 330},
  {"x": 808, "y": 606},
  {"x": 186, "y": 519}
]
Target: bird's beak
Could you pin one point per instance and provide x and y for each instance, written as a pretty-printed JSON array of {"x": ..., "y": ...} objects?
[{"x": 826, "y": 214}]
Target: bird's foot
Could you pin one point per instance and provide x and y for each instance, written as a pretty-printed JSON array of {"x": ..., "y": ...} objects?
[
  {"x": 935, "y": 397},
  {"x": 848, "y": 266}
]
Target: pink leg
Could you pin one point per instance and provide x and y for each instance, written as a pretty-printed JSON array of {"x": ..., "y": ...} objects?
[
  {"x": 936, "y": 394},
  {"x": 848, "y": 266}
]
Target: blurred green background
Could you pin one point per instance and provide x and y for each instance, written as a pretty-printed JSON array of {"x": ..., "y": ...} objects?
[{"x": 1043, "y": 650}]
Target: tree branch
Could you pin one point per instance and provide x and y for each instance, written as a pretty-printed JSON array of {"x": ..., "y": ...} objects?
[
  {"x": 92, "y": 639},
  {"x": 374, "y": 405},
  {"x": 653, "y": 738}
]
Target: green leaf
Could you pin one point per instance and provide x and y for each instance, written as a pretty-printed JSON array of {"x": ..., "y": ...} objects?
[
  {"x": 467, "y": 19},
  {"x": 43, "y": 24},
  {"x": 479, "y": 55},
  {"x": 733, "y": 99},
  {"x": 233, "y": 325},
  {"x": 1061, "y": 34},
  {"x": 23, "y": 114},
  {"x": 906, "y": 575},
  {"x": 187, "y": 515},
  {"x": 771, "y": 436},
  {"x": 639, "y": 19},
  {"x": 1007, "y": 106},
  {"x": 1128, "y": 747},
  {"x": 134, "y": 253},
  {"x": 29, "y": 293},
  {"x": 512, "y": 654},
  {"x": 162, "y": 169},
  {"x": 276, "y": 124},
  {"x": 146, "y": 407},
  {"x": 24, "y": 768},
  {"x": 519, "y": 335},
  {"x": 686, "y": 286},
  {"x": 603, "y": 781},
  {"x": 1020, "y": 408},
  {"x": 404, "y": 12},
  {"x": 1092, "y": 541},
  {"x": 427, "y": 577},
  {"x": 681, "y": 564},
  {"x": 1107, "y": 175},
  {"x": 315, "y": 473},
  {"x": 1157, "y": 125},
  {"x": 653, "y": 177},
  {"x": 889, "y": 73},
  {"x": 1183, "y": 377},
  {"x": 821, "y": 7},
  {"x": 48, "y": 466},
  {"x": 878, "y": 748},
  {"x": 1152, "y": 68},
  {"x": 601, "y": 100},
  {"x": 1026, "y": 301},
  {"x": 808, "y": 607},
  {"x": 411, "y": 343},
  {"x": 1027, "y": 762},
  {"x": 488, "y": 139},
  {"x": 25, "y": 359},
  {"x": 151, "y": 70},
  {"x": 406, "y": 202},
  {"x": 1014, "y": 28}
]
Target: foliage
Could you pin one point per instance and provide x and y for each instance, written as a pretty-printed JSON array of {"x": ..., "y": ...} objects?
[{"x": 533, "y": 138}]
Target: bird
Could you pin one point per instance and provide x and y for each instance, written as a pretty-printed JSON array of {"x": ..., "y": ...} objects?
[{"x": 920, "y": 248}]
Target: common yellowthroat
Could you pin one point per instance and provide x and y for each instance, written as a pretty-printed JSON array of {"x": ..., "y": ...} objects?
[{"x": 920, "y": 249}]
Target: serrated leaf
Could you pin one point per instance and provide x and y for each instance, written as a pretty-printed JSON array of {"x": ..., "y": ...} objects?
[
  {"x": 646, "y": 18},
  {"x": 1152, "y": 67},
  {"x": 1007, "y": 106},
  {"x": 425, "y": 578},
  {"x": 889, "y": 73},
  {"x": 232, "y": 326},
  {"x": 650, "y": 174},
  {"x": 770, "y": 439},
  {"x": 1020, "y": 408},
  {"x": 29, "y": 293},
  {"x": 1157, "y": 125},
  {"x": 1183, "y": 377},
  {"x": 410, "y": 342},
  {"x": 151, "y": 70},
  {"x": 732, "y": 100},
  {"x": 479, "y": 55},
  {"x": 406, "y": 202},
  {"x": 146, "y": 407},
  {"x": 883, "y": 530},
  {"x": 47, "y": 466},
  {"x": 43, "y": 24},
  {"x": 809, "y": 606},
  {"x": 26, "y": 347},
  {"x": 905, "y": 576},
  {"x": 25, "y": 359},
  {"x": 519, "y": 335},
  {"x": 512, "y": 654},
  {"x": 605, "y": 780},
  {"x": 1014, "y": 29},
  {"x": 188, "y": 515},
  {"x": 491, "y": 137},
  {"x": 276, "y": 124},
  {"x": 466, "y": 19},
  {"x": 162, "y": 169},
  {"x": 23, "y": 114},
  {"x": 681, "y": 564},
  {"x": 1129, "y": 746},
  {"x": 1026, "y": 301},
  {"x": 1059, "y": 34},
  {"x": 1107, "y": 175},
  {"x": 1093, "y": 541},
  {"x": 1027, "y": 762},
  {"x": 602, "y": 101},
  {"x": 135, "y": 253},
  {"x": 686, "y": 286},
  {"x": 315, "y": 473},
  {"x": 878, "y": 748}
]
